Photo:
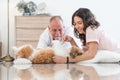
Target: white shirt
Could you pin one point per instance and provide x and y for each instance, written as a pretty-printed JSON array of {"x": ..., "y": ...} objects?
[
  {"x": 104, "y": 42},
  {"x": 46, "y": 39}
]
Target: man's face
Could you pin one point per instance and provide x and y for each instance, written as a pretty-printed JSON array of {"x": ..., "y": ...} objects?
[{"x": 56, "y": 29}]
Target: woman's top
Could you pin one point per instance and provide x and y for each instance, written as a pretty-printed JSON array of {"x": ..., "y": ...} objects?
[{"x": 99, "y": 36}]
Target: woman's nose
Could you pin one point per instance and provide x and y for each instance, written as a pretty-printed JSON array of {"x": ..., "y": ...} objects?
[{"x": 77, "y": 26}]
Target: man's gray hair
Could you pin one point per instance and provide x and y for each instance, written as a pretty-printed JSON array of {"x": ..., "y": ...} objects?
[{"x": 54, "y": 17}]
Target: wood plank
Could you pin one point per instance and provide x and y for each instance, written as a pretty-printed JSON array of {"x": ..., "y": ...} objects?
[
  {"x": 33, "y": 43},
  {"x": 31, "y": 21},
  {"x": 28, "y": 34},
  {"x": 29, "y": 28}
]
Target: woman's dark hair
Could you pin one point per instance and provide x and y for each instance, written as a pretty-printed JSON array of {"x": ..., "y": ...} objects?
[{"x": 88, "y": 20}]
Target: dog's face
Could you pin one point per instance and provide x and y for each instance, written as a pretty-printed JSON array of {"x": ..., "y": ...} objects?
[{"x": 75, "y": 51}]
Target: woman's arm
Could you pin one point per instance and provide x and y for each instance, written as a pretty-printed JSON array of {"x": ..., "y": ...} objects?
[{"x": 92, "y": 50}]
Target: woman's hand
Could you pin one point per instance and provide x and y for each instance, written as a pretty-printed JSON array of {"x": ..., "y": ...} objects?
[{"x": 59, "y": 59}]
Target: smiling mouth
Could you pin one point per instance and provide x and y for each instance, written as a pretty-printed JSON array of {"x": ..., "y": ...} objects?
[
  {"x": 58, "y": 38},
  {"x": 80, "y": 30}
]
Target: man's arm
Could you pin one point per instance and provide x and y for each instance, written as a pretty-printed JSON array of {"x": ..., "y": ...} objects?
[{"x": 44, "y": 40}]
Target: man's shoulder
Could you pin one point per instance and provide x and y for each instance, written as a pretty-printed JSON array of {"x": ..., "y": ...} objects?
[{"x": 45, "y": 32}]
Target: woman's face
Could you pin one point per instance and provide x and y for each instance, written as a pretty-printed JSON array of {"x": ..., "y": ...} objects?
[{"x": 78, "y": 24}]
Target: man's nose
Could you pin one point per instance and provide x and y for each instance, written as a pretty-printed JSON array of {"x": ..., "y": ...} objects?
[{"x": 58, "y": 33}]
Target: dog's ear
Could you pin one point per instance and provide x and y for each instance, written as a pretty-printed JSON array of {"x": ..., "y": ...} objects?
[
  {"x": 14, "y": 50},
  {"x": 23, "y": 51}
]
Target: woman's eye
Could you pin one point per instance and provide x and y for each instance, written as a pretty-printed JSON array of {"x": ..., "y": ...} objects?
[
  {"x": 79, "y": 23},
  {"x": 74, "y": 24}
]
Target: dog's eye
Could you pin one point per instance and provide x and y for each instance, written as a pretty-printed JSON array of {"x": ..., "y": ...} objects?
[
  {"x": 80, "y": 53},
  {"x": 73, "y": 55}
]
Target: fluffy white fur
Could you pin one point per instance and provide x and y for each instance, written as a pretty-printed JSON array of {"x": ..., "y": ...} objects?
[{"x": 59, "y": 48}]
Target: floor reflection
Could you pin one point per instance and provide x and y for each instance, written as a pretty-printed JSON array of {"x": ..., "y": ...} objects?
[
  {"x": 60, "y": 72},
  {"x": 57, "y": 72}
]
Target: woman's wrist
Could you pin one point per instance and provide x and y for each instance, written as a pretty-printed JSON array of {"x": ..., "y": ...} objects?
[{"x": 70, "y": 60}]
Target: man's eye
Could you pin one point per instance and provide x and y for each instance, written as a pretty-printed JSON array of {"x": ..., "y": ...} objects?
[
  {"x": 60, "y": 30},
  {"x": 54, "y": 30}
]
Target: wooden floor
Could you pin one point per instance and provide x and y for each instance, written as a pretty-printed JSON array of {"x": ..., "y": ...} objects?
[{"x": 9, "y": 71}]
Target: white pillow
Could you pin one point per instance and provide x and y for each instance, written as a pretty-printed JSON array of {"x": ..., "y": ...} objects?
[{"x": 104, "y": 56}]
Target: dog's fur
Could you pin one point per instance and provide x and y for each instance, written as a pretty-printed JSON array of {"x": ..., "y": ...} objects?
[
  {"x": 36, "y": 56},
  {"x": 43, "y": 55},
  {"x": 75, "y": 51},
  {"x": 25, "y": 51}
]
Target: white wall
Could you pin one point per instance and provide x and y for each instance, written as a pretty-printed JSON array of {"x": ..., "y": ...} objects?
[{"x": 106, "y": 11}]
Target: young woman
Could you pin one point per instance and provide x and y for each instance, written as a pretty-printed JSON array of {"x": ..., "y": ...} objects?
[{"x": 86, "y": 27}]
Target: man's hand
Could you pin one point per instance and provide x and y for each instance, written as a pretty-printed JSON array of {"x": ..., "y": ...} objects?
[{"x": 67, "y": 38}]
